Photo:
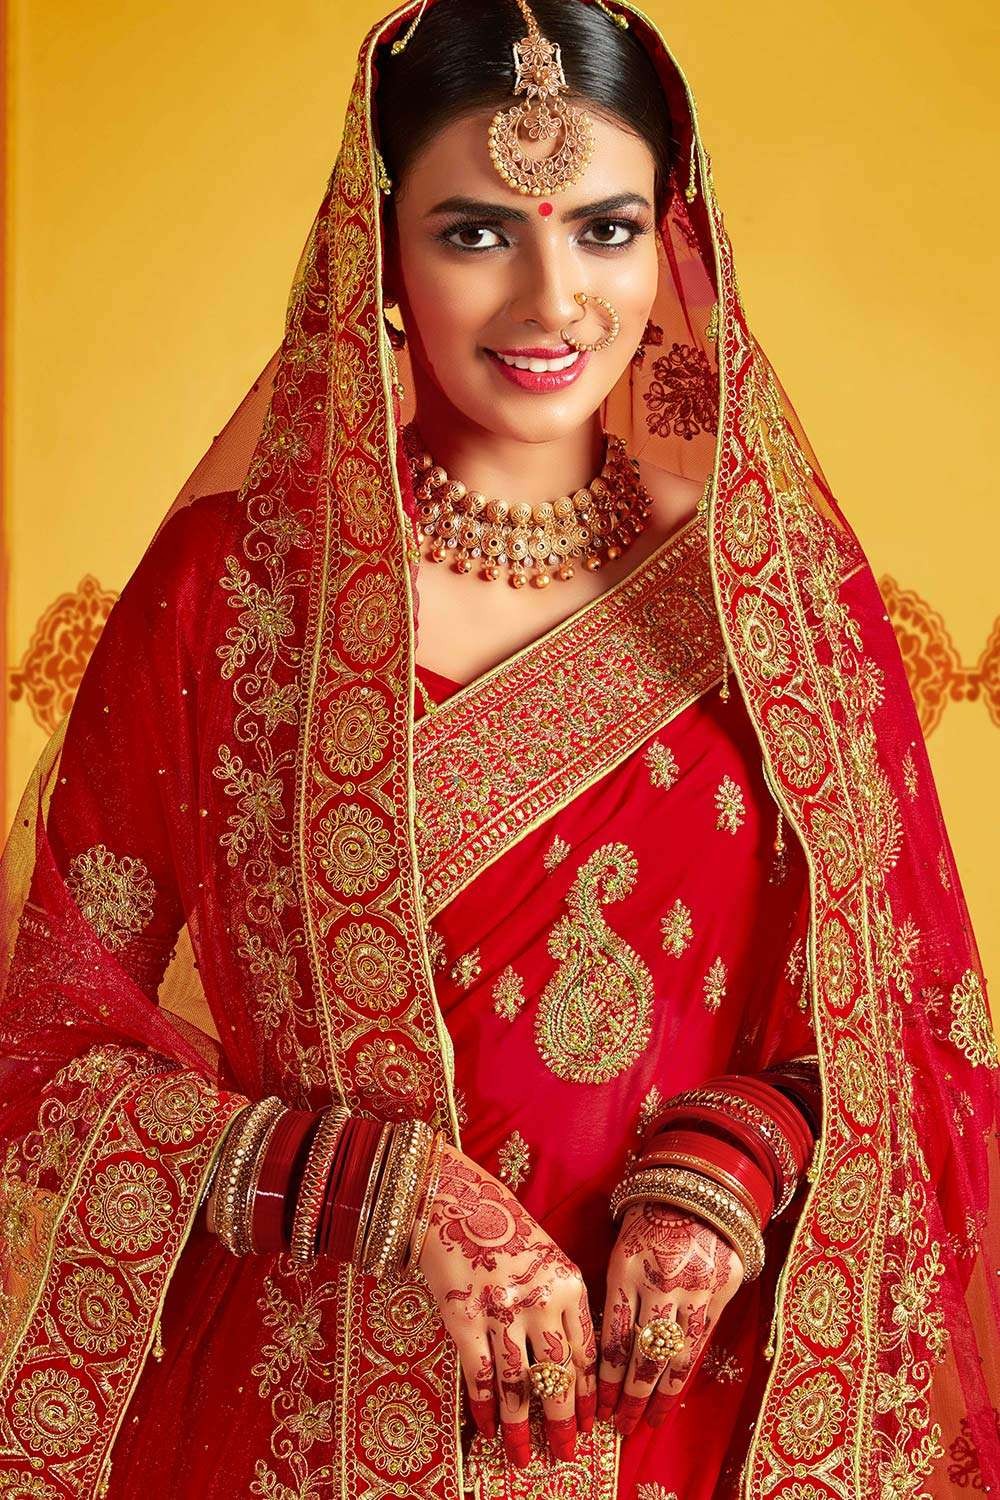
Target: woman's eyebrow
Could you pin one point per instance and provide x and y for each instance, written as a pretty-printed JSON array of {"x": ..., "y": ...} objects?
[{"x": 503, "y": 213}]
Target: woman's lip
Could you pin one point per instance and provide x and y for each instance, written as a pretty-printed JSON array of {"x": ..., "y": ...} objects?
[{"x": 541, "y": 380}]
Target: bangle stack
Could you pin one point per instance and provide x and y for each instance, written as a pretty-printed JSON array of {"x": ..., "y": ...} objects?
[
  {"x": 239, "y": 1168},
  {"x": 327, "y": 1183},
  {"x": 732, "y": 1152}
]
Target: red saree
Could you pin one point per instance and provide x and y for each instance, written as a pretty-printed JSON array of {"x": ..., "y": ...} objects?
[{"x": 247, "y": 866}]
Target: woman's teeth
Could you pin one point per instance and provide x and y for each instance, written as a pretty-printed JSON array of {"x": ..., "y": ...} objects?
[{"x": 538, "y": 366}]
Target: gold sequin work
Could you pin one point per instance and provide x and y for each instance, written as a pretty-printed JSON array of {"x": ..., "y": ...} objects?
[{"x": 676, "y": 928}]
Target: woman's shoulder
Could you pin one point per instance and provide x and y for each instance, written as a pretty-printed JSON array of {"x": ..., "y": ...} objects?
[{"x": 675, "y": 497}]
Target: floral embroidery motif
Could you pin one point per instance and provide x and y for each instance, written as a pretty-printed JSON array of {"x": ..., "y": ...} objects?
[
  {"x": 355, "y": 730},
  {"x": 795, "y": 962},
  {"x": 508, "y": 994},
  {"x": 662, "y": 765},
  {"x": 971, "y": 1028},
  {"x": 676, "y": 928},
  {"x": 397, "y": 1428},
  {"x": 648, "y": 1108},
  {"x": 175, "y": 1110},
  {"x": 910, "y": 773},
  {"x": 436, "y": 948},
  {"x": 115, "y": 895},
  {"x": 514, "y": 1157},
  {"x": 812, "y": 1417},
  {"x": 965, "y": 1470},
  {"x": 593, "y": 1018},
  {"x": 467, "y": 969},
  {"x": 720, "y": 1365},
  {"x": 715, "y": 985},
  {"x": 556, "y": 852},
  {"x": 681, "y": 396},
  {"x": 95, "y": 1311},
  {"x": 730, "y": 805},
  {"x": 54, "y": 1414},
  {"x": 822, "y": 1304},
  {"x": 655, "y": 1491},
  {"x": 129, "y": 1207},
  {"x": 369, "y": 966}
]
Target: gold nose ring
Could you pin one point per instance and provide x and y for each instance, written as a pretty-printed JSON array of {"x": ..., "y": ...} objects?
[{"x": 615, "y": 322}]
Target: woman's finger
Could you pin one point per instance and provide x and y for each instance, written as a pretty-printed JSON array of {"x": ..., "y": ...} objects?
[
  {"x": 559, "y": 1411},
  {"x": 616, "y": 1344},
  {"x": 510, "y": 1358},
  {"x": 698, "y": 1323},
  {"x": 643, "y": 1371},
  {"x": 579, "y": 1326},
  {"x": 476, "y": 1357}
]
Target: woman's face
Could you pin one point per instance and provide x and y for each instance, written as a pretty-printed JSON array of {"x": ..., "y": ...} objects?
[{"x": 499, "y": 270}]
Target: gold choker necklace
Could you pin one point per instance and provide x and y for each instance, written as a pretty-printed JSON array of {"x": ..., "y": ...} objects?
[{"x": 595, "y": 524}]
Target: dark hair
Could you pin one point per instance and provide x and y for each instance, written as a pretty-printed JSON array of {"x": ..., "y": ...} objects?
[{"x": 459, "y": 61}]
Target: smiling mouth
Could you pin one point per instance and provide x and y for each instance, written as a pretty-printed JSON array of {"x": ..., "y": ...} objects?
[{"x": 535, "y": 365}]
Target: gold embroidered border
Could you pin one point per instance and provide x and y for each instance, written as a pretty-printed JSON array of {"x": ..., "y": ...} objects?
[{"x": 497, "y": 759}]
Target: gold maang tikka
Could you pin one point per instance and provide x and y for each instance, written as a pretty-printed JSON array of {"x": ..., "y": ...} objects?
[{"x": 539, "y": 75}]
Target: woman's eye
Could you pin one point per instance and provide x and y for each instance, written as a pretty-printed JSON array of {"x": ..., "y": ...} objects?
[
  {"x": 632, "y": 231},
  {"x": 470, "y": 229}
]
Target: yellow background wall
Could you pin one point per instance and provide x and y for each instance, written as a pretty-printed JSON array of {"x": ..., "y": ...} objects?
[{"x": 164, "y": 166}]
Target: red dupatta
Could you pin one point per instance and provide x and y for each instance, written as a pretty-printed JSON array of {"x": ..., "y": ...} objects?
[{"x": 262, "y": 776}]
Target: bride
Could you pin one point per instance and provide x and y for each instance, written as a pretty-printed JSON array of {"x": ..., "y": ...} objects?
[{"x": 476, "y": 1015}]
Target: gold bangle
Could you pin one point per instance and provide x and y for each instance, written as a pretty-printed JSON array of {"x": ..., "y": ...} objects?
[
  {"x": 374, "y": 1178},
  {"x": 236, "y": 1169},
  {"x": 725, "y": 1179},
  {"x": 392, "y": 1216},
  {"x": 394, "y": 1212},
  {"x": 312, "y": 1185},
  {"x": 244, "y": 1212},
  {"x": 423, "y": 1218}
]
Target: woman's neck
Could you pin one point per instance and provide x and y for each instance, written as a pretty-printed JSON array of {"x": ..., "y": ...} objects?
[{"x": 510, "y": 468}]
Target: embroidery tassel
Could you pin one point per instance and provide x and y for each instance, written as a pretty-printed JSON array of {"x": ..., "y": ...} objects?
[
  {"x": 779, "y": 836},
  {"x": 401, "y": 42},
  {"x": 691, "y": 191},
  {"x": 157, "y": 1342},
  {"x": 724, "y": 689},
  {"x": 612, "y": 15}
]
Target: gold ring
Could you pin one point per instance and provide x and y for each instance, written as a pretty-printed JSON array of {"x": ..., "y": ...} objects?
[
  {"x": 661, "y": 1338},
  {"x": 602, "y": 343},
  {"x": 549, "y": 1378}
]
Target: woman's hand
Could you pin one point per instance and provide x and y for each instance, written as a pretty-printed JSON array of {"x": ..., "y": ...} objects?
[
  {"x": 666, "y": 1263},
  {"x": 501, "y": 1284}
]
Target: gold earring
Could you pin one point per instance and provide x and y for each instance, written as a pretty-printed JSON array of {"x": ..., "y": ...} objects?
[{"x": 602, "y": 343}]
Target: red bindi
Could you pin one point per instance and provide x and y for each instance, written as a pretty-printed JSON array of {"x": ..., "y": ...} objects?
[{"x": 545, "y": 209}]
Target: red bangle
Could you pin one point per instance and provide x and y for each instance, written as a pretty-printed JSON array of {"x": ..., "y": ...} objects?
[
  {"x": 349, "y": 1196},
  {"x": 782, "y": 1111},
  {"x": 731, "y": 1160},
  {"x": 273, "y": 1189},
  {"x": 344, "y": 1148},
  {"x": 725, "y": 1126}
]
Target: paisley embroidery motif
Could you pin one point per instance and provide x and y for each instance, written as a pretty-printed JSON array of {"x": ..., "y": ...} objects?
[{"x": 594, "y": 1015}]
